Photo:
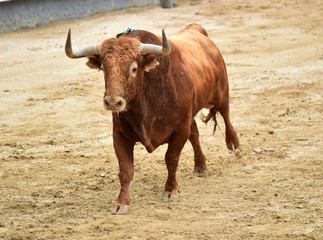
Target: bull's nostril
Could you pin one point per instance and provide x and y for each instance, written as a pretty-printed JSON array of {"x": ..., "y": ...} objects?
[
  {"x": 119, "y": 104},
  {"x": 115, "y": 104}
]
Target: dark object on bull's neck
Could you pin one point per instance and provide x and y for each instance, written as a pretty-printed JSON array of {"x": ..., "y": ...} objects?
[{"x": 129, "y": 30}]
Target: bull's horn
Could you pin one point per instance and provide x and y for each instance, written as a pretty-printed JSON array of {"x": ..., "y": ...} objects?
[
  {"x": 146, "y": 48},
  {"x": 82, "y": 52}
]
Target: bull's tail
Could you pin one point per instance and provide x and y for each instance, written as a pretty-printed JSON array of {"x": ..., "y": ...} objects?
[{"x": 212, "y": 115}]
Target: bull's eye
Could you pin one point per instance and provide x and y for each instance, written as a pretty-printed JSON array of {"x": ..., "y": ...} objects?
[{"x": 133, "y": 70}]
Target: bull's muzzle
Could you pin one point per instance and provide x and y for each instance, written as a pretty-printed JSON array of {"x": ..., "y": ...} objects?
[{"x": 114, "y": 104}]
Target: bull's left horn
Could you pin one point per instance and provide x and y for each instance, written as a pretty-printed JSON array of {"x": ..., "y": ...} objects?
[
  {"x": 82, "y": 52},
  {"x": 146, "y": 48}
]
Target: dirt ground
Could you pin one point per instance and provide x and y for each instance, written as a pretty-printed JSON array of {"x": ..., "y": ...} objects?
[{"x": 58, "y": 171}]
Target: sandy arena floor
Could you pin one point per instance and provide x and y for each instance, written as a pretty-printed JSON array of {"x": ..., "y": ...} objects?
[{"x": 58, "y": 171}]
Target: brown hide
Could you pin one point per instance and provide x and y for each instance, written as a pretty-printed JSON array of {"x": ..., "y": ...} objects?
[
  {"x": 160, "y": 104},
  {"x": 193, "y": 76}
]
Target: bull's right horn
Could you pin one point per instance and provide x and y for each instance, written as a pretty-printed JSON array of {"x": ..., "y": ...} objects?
[
  {"x": 82, "y": 52},
  {"x": 146, "y": 48}
]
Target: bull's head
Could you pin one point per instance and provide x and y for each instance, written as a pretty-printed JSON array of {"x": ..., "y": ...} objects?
[{"x": 123, "y": 62}]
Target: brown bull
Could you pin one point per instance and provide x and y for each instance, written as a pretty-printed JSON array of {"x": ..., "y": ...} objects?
[{"x": 155, "y": 87}]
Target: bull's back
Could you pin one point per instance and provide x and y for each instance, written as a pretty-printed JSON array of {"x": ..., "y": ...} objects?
[
  {"x": 201, "y": 61},
  {"x": 195, "y": 28}
]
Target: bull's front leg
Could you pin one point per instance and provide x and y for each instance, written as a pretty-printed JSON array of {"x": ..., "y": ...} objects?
[
  {"x": 124, "y": 150},
  {"x": 175, "y": 147}
]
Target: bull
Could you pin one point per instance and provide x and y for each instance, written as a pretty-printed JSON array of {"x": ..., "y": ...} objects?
[{"x": 154, "y": 88}]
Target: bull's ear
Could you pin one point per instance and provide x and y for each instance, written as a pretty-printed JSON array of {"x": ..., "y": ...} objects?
[
  {"x": 94, "y": 62},
  {"x": 150, "y": 62}
]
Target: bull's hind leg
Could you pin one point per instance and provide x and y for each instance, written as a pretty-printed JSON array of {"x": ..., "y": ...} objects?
[
  {"x": 199, "y": 157},
  {"x": 231, "y": 137}
]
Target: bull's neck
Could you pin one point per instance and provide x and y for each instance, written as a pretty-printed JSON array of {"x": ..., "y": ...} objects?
[
  {"x": 159, "y": 92},
  {"x": 156, "y": 95}
]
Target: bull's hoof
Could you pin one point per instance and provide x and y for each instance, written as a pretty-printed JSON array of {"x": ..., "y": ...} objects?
[
  {"x": 200, "y": 172},
  {"x": 232, "y": 142},
  {"x": 120, "y": 209},
  {"x": 170, "y": 196}
]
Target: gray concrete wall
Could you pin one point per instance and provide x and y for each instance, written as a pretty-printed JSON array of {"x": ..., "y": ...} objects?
[{"x": 22, "y": 14}]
